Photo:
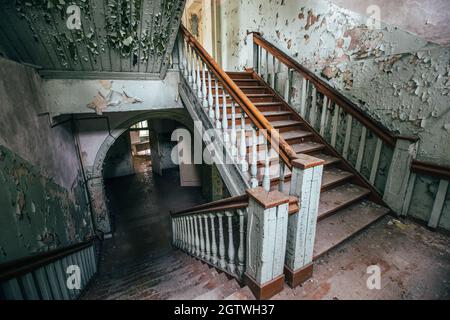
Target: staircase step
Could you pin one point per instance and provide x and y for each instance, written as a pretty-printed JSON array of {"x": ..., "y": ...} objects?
[
  {"x": 296, "y": 134},
  {"x": 285, "y": 123},
  {"x": 307, "y": 147},
  {"x": 203, "y": 284},
  {"x": 334, "y": 230},
  {"x": 242, "y": 294},
  {"x": 329, "y": 160},
  {"x": 340, "y": 197},
  {"x": 239, "y": 75},
  {"x": 219, "y": 293},
  {"x": 334, "y": 176}
]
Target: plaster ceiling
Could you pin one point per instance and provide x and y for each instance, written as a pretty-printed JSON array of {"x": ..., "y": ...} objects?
[{"x": 115, "y": 35}]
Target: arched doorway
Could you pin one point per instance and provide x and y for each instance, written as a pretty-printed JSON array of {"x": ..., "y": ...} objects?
[
  {"x": 95, "y": 175},
  {"x": 143, "y": 184}
]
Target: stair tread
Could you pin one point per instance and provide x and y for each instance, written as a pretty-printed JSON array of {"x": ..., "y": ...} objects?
[
  {"x": 283, "y": 123},
  {"x": 295, "y": 134},
  {"x": 272, "y": 103},
  {"x": 341, "y": 226},
  {"x": 222, "y": 291},
  {"x": 265, "y": 113},
  {"x": 242, "y": 294},
  {"x": 334, "y": 175},
  {"x": 308, "y": 146},
  {"x": 339, "y": 197},
  {"x": 329, "y": 160}
]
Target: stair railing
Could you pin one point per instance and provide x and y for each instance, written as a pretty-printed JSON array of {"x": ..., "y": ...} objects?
[
  {"x": 380, "y": 156},
  {"x": 243, "y": 236},
  {"x": 60, "y": 274},
  {"x": 242, "y": 126},
  {"x": 430, "y": 170}
]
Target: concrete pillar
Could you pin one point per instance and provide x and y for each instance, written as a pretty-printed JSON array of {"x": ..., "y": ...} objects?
[
  {"x": 399, "y": 172},
  {"x": 305, "y": 184},
  {"x": 266, "y": 241}
]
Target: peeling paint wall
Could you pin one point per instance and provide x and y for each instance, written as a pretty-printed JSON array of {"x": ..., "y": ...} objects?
[
  {"x": 396, "y": 77},
  {"x": 42, "y": 196},
  {"x": 67, "y": 96}
]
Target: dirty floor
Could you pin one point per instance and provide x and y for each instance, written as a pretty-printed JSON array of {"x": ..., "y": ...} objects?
[{"x": 139, "y": 263}]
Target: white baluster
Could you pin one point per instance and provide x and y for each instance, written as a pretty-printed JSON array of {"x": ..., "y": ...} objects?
[
  {"x": 194, "y": 80},
  {"x": 233, "y": 131},
  {"x": 282, "y": 173},
  {"x": 187, "y": 73},
  {"x": 334, "y": 130},
  {"x": 183, "y": 57},
  {"x": 204, "y": 91},
  {"x": 199, "y": 80},
  {"x": 197, "y": 239},
  {"x": 348, "y": 136},
  {"x": 254, "y": 160},
  {"x": 243, "y": 146},
  {"x": 213, "y": 240},
  {"x": 208, "y": 244},
  {"x": 313, "y": 110},
  {"x": 210, "y": 97},
  {"x": 181, "y": 233},
  {"x": 266, "y": 177},
  {"x": 222, "y": 262},
  {"x": 192, "y": 239},
  {"x": 241, "y": 253},
  {"x": 226, "y": 137},
  {"x": 303, "y": 99},
  {"x": 323, "y": 116},
  {"x": 188, "y": 234},
  {"x": 189, "y": 64},
  {"x": 231, "y": 253},
  {"x": 201, "y": 237},
  {"x": 217, "y": 111},
  {"x": 362, "y": 145}
]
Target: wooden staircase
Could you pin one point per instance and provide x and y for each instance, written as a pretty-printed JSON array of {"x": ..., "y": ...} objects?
[{"x": 348, "y": 203}]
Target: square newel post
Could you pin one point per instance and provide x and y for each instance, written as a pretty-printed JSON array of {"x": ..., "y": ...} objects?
[
  {"x": 305, "y": 184},
  {"x": 399, "y": 171},
  {"x": 266, "y": 241}
]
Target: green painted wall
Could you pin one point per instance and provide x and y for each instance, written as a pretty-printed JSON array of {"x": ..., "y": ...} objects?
[{"x": 36, "y": 214}]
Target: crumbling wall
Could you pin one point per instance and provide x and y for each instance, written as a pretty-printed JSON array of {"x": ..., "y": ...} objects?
[
  {"x": 42, "y": 196},
  {"x": 399, "y": 79}
]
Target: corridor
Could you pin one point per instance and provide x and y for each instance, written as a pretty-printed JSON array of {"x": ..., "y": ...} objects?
[{"x": 140, "y": 208}]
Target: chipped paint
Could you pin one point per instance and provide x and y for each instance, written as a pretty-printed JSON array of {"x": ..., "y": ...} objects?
[
  {"x": 402, "y": 81},
  {"x": 37, "y": 214}
]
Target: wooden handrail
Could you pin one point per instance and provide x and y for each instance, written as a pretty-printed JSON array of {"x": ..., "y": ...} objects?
[
  {"x": 237, "y": 202},
  {"x": 22, "y": 266},
  {"x": 277, "y": 142},
  {"x": 331, "y": 92},
  {"x": 431, "y": 169}
]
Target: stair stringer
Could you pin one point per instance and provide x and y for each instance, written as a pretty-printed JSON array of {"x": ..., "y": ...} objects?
[{"x": 230, "y": 173}]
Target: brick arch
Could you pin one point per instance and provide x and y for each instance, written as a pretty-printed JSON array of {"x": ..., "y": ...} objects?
[{"x": 95, "y": 176}]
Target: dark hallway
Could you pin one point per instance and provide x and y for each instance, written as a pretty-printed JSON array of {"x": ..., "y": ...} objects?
[{"x": 140, "y": 207}]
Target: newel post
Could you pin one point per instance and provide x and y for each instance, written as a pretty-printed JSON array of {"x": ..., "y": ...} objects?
[
  {"x": 266, "y": 241},
  {"x": 399, "y": 171},
  {"x": 305, "y": 184},
  {"x": 252, "y": 53}
]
